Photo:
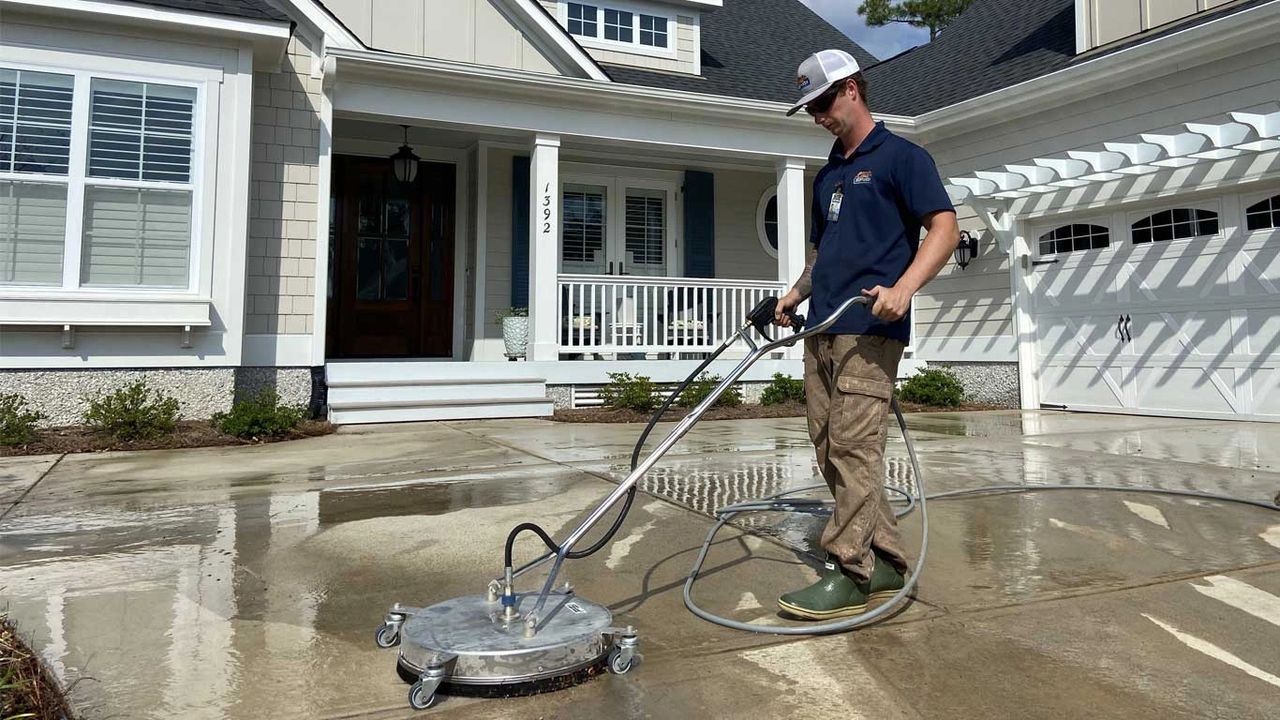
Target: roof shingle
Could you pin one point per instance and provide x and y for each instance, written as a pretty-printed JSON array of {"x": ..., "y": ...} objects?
[
  {"x": 249, "y": 9},
  {"x": 750, "y": 49}
]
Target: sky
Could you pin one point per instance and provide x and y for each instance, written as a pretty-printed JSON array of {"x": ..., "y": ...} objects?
[{"x": 883, "y": 42}]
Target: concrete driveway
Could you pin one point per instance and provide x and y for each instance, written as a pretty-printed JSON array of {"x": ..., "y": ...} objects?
[{"x": 247, "y": 582}]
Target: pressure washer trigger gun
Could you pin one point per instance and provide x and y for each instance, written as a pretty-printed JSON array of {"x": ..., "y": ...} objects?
[{"x": 761, "y": 316}]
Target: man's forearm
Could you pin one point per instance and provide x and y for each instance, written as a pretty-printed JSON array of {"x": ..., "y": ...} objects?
[{"x": 804, "y": 286}]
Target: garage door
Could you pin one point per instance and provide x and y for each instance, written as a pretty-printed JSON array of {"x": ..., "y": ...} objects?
[{"x": 1167, "y": 325}]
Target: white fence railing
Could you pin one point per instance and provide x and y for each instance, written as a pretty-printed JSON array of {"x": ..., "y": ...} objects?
[{"x": 634, "y": 314}]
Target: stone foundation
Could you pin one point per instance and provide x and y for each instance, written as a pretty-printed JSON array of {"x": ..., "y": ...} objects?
[{"x": 986, "y": 382}]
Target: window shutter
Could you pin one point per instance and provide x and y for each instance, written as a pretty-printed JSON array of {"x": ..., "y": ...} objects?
[
  {"x": 646, "y": 225},
  {"x": 140, "y": 131},
  {"x": 699, "y": 224},
  {"x": 32, "y": 224},
  {"x": 35, "y": 122},
  {"x": 136, "y": 237},
  {"x": 520, "y": 231}
]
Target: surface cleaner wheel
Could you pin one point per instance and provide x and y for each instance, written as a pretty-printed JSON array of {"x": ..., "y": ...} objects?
[
  {"x": 387, "y": 636},
  {"x": 420, "y": 698}
]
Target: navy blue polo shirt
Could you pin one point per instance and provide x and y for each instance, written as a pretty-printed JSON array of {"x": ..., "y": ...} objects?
[{"x": 888, "y": 185}]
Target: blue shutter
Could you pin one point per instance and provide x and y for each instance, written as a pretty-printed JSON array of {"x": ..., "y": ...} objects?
[
  {"x": 699, "y": 224},
  {"x": 520, "y": 232}
]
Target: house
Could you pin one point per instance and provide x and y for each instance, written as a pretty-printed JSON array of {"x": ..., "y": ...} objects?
[{"x": 339, "y": 198}]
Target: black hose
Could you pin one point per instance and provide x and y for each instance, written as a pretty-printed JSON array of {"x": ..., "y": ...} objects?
[{"x": 631, "y": 494}]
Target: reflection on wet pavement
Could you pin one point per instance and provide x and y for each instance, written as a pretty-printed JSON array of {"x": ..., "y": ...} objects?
[{"x": 235, "y": 584}]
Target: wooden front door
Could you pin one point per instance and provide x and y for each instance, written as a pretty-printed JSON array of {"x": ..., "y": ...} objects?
[{"x": 391, "y": 275}]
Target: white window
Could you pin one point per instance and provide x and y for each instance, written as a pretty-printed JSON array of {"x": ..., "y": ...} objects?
[
  {"x": 618, "y": 225},
  {"x": 96, "y": 181},
  {"x": 1263, "y": 215},
  {"x": 582, "y": 19},
  {"x": 767, "y": 221},
  {"x": 1175, "y": 224},
  {"x": 618, "y": 25},
  {"x": 1076, "y": 236},
  {"x": 653, "y": 31},
  {"x": 627, "y": 25}
]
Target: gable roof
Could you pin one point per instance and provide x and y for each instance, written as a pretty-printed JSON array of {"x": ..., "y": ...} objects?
[
  {"x": 249, "y": 9},
  {"x": 750, "y": 49},
  {"x": 996, "y": 44}
]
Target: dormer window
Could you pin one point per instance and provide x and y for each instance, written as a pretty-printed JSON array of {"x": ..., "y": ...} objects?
[{"x": 621, "y": 26}]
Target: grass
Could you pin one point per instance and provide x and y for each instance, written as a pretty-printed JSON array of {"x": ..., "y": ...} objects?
[{"x": 27, "y": 691}]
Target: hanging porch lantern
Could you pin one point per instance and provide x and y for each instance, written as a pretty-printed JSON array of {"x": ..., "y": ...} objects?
[
  {"x": 404, "y": 162},
  {"x": 967, "y": 250}
]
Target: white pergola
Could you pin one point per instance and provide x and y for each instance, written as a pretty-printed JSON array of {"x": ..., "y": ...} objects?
[{"x": 1221, "y": 151}]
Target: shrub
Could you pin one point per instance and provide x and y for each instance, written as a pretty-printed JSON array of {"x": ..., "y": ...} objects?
[
  {"x": 132, "y": 413},
  {"x": 699, "y": 389},
  {"x": 783, "y": 389},
  {"x": 261, "y": 415},
  {"x": 625, "y": 391},
  {"x": 935, "y": 387},
  {"x": 17, "y": 424}
]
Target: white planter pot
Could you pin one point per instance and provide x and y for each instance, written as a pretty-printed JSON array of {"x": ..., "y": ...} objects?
[{"x": 515, "y": 335}]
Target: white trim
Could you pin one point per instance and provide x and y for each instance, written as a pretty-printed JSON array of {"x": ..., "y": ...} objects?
[
  {"x": 762, "y": 207},
  {"x": 234, "y": 135},
  {"x": 334, "y": 32},
  {"x": 320, "y": 318},
  {"x": 277, "y": 351},
  {"x": 482, "y": 247},
  {"x": 461, "y": 225},
  {"x": 104, "y": 310},
  {"x": 268, "y": 37},
  {"x": 552, "y": 40}
]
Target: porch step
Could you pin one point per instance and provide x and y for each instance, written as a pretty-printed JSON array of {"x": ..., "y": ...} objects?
[{"x": 380, "y": 392}]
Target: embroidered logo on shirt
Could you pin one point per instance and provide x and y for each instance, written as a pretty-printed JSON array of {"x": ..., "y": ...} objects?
[{"x": 862, "y": 177}]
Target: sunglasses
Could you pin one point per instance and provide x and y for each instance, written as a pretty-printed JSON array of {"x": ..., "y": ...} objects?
[{"x": 823, "y": 102}]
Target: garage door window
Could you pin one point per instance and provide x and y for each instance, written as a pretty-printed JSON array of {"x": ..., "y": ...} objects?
[
  {"x": 1175, "y": 224},
  {"x": 1077, "y": 236},
  {"x": 1263, "y": 215}
]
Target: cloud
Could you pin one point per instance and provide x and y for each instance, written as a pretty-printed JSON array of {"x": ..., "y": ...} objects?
[{"x": 883, "y": 42}]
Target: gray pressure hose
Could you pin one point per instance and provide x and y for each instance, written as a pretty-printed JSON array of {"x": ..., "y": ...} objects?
[{"x": 780, "y": 502}]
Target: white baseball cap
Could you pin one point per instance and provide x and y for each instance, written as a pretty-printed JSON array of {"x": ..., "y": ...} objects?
[{"x": 820, "y": 71}]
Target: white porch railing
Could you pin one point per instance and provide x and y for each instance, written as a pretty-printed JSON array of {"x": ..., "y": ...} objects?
[{"x": 606, "y": 314}]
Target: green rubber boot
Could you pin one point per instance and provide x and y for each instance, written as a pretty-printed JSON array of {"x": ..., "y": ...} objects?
[
  {"x": 838, "y": 595},
  {"x": 834, "y": 595}
]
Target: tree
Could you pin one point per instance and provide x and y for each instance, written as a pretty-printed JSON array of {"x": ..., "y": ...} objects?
[{"x": 933, "y": 14}]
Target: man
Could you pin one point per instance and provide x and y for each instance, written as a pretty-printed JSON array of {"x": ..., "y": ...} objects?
[{"x": 870, "y": 202}]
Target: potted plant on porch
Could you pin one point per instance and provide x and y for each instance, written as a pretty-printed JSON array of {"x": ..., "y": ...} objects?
[{"x": 515, "y": 330}]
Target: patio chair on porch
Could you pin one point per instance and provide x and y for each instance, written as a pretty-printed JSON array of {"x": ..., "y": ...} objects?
[{"x": 625, "y": 327}]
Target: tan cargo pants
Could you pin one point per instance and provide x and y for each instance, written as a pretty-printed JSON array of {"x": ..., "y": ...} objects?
[{"x": 848, "y": 380}]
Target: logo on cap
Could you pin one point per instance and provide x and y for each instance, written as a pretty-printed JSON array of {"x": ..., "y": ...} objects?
[{"x": 803, "y": 82}]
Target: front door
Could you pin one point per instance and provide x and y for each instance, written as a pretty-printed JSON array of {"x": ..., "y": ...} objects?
[{"x": 391, "y": 274}]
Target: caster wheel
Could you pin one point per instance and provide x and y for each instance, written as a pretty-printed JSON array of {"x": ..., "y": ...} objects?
[
  {"x": 387, "y": 636},
  {"x": 419, "y": 698},
  {"x": 616, "y": 664}
]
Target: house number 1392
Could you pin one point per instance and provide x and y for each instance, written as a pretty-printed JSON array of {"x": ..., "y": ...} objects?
[{"x": 546, "y": 209}]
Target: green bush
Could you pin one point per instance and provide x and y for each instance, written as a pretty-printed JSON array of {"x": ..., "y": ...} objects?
[
  {"x": 259, "y": 416},
  {"x": 934, "y": 387},
  {"x": 701, "y": 388},
  {"x": 783, "y": 389},
  {"x": 132, "y": 413},
  {"x": 17, "y": 424},
  {"x": 625, "y": 391}
]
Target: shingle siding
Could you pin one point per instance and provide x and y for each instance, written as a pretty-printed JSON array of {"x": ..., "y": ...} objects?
[{"x": 283, "y": 197}]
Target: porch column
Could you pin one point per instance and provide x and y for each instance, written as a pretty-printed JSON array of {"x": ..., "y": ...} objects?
[
  {"x": 792, "y": 233},
  {"x": 544, "y": 246}
]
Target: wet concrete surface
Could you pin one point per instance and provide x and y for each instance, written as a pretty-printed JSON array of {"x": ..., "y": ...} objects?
[{"x": 247, "y": 582}]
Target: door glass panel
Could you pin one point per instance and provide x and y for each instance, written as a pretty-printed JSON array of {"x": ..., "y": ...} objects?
[
  {"x": 369, "y": 268},
  {"x": 646, "y": 232},
  {"x": 396, "y": 270},
  {"x": 371, "y": 208},
  {"x": 583, "y": 230},
  {"x": 398, "y": 218}
]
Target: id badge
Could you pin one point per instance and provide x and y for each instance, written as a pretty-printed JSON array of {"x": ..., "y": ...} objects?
[{"x": 833, "y": 210}]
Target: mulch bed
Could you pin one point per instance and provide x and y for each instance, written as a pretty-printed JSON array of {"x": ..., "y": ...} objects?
[
  {"x": 188, "y": 434},
  {"x": 742, "y": 412},
  {"x": 26, "y": 689}
]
